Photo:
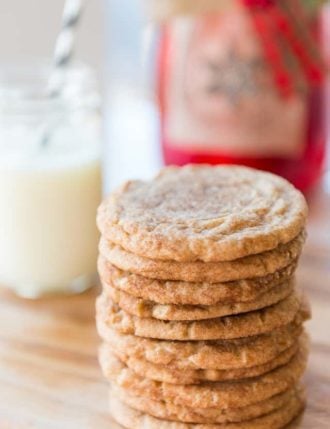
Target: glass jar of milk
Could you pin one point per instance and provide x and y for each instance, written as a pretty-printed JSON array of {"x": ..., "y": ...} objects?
[{"x": 50, "y": 180}]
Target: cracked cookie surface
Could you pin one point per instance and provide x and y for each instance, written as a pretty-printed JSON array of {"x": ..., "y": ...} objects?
[
  {"x": 227, "y": 394},
  {"x": 191, "y": 293},
  {"x": 228, "y": 327},
  {"x": 203, "y": 213},
  {"x": 213, "y": 355},
  {"x": 244, "y": 268}
]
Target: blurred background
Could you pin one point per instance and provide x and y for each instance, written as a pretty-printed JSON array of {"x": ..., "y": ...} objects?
[
  {"x": 29, "y": 29},
  {"x": 121, "y": 41},
  {"x": 95, "y": 92}
]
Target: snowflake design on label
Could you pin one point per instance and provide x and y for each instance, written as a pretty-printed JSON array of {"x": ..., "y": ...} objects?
[{"x": 233, "y": 77}]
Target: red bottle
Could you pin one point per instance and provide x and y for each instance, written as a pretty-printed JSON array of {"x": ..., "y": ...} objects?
[{"x": 243, "y": 85}]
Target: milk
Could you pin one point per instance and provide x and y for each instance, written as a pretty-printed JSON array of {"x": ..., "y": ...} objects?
[{"x": 48, "y": 201}]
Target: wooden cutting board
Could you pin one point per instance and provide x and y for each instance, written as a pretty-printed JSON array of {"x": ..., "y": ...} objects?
[{"x": 49, "y": 375}]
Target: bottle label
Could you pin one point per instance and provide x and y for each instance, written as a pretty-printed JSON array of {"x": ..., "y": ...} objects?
[{"x": 219, "y": 92}]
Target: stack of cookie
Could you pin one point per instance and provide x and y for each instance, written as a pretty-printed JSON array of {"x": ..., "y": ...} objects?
[{"x": 200, "y": 315}]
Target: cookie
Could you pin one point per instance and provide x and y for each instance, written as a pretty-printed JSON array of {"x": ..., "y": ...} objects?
[
  {"x": 248, "y": 267},
  {"x": 213, "y": 355},
  {"x": 227, "y": 394},
  {"x": 149, "y": 309},
  {"x": 225, "y": 328},
  {"x": 171, "y": 374},
  {"x": 191, "y": 293},
  {"x": 169, "y": 411},
  {"x": 133, "y": 419},
  {"x": 203, "y": 213}
]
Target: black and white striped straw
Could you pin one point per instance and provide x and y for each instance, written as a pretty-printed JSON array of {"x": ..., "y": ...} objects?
[{"x": 64, "y": 47}]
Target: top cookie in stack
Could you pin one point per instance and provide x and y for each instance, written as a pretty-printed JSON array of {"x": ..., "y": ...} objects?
[
  {"x": 201, "y": 213},
  {"x": 197, "y": 268}
]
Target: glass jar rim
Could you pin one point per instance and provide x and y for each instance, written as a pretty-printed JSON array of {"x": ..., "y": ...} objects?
[{"x": 24, "y": 86}]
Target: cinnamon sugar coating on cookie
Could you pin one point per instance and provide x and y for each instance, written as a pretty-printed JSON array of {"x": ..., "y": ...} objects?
[
  {"x": 212, "y": 272},
  {"x": 203, "y": 213},
  {"x": 229, "y": 327},
  {"x": 192, "y": 293},
  {"x": 167, "y": 410},
  {"x": 173, "y": 375},
  {"x": 149, "y": 309},
  {"x": 214, "y": 355},
  {"x": 280, "y": 418},
  {"x": 229, "y": 394}
]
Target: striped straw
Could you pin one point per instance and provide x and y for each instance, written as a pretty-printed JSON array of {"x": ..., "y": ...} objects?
[
  {"x": 63, "y": 54},
  {"x": 64, "y": 47}
]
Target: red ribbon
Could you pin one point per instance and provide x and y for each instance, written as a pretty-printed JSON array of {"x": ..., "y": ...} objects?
[{"x": 276, "y": 25}]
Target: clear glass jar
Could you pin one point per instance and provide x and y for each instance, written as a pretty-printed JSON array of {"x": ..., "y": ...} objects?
[{"x": 50, "y": 180}]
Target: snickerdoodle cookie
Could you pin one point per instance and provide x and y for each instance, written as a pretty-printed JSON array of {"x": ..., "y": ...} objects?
[
  {"x": 213, "y": 355},
  {"x": 133, "y": 419},
  {"x": 200, "y": 314},
  {"x": 191, "y": 293},
  {"x": 197, "y": 271},
  {"x": 168, "y": 411},
  {"x": 171, "y": 374},
  {"x": 203, "y": 213},
  {"x": 146, "y": 309},
  {"x": 226, "y": 394},
  {"x": 225, "y": 328}
]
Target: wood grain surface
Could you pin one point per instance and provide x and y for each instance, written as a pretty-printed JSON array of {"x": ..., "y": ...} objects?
[{"x": 49, "y": 375}]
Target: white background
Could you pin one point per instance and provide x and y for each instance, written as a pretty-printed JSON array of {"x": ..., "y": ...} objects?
[{"x": 28, "y": 28}]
